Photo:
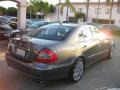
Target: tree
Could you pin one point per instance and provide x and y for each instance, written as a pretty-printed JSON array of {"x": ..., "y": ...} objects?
[
  {"x": 59, "y": 10},
  {"x": 98, "y": 10},
  {"x": 12, "y": 11},
  {"x": 52, "y": 8},
  {"x": 111, "y": 9},
  {"x": 29, "y": 10},
  {"x": 69, "y": 6},
  {"x": 35, "y": 6},
  {"x": 40, "y": 6},
  {"x": 87, "y": 9},
  {"x": 109, "y": 2},
  {"x": 2, "y": 10},
  {"x": 79, "y": 15},
  {"x": 45, "y": 9},
  {"x": 118, "y": 5}
]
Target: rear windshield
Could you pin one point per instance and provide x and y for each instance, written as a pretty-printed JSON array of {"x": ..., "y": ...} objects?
[
  {"x": 52, "y": 32},
  {"x": 37, "y": 25}
]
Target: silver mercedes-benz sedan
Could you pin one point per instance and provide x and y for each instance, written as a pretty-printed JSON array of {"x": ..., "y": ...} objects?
[{"x": 58, "y": 50}]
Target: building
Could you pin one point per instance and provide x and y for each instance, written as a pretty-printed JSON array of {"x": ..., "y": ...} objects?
[{"x": 104, "y": 13}]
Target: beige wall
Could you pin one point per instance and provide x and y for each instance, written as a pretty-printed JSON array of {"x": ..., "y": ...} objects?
[{"x": 92, "y": 14}]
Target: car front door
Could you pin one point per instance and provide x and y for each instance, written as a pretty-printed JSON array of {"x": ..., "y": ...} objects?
[
  {"x": 90, "y": 46},
  {"x": 103, "y": 43}
]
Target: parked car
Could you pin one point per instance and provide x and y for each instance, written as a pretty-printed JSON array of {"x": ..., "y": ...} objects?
[
  {"x": 13, "y": 22},
  {"x": 5, "y": 29},
  {"x": 29, "y": 22},
  {"x": 111, "y": 27},
  {"x": 37, "y": 25},
  {"x": 31, "y": 28},
  {"x": 10, "y": 18},
  {"x": 104, "y": 28},
  {"x": 58, "y": 50},
  {"x": 36, "y": 20}
]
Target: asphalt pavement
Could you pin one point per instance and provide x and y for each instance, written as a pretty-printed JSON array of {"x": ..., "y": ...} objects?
[{"x": 105, "y": 73}]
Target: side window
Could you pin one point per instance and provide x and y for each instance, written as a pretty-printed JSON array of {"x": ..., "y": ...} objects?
[
  {"x": 95, "y": 32},
  {"x": 63, "y": 31},
  {"x": 81, "y": 37},
  {"x": 94, "y": 29},
  {"x": 88, "y": 36}
]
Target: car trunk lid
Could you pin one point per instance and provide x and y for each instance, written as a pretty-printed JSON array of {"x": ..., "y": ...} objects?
[{"x": 27, "y": 50}]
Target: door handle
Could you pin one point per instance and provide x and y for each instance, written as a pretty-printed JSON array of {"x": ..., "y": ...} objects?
[{"x": 84, "y": 46}]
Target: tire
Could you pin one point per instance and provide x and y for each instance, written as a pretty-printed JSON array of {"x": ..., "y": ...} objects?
[
  {"x": 77, "y": 70},
  {"x": 111, "y": 52}
]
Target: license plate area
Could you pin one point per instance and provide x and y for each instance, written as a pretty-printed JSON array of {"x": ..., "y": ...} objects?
[{"x": 20, "y": 52}]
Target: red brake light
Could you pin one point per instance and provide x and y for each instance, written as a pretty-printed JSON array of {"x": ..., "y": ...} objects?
[{"x": 46, "y": 56}]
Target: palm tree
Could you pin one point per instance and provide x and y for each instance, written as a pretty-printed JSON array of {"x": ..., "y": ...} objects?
[
  {"x": 68, "y": 5},
  {"x": 79, "y": 15},
  {"x": 111, "y": 8},
  {"x": 98, "y": 10},
  {"x": 2, "y": 10},
  {"x": 118, "y": 5},
  {"x": 59, "y": 10},
  {"x": 87, "y": 9},
  {"x": 45, "y": 8}
]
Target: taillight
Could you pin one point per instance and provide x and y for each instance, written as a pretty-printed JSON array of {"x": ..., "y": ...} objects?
[{"x": 46, "y": 56}]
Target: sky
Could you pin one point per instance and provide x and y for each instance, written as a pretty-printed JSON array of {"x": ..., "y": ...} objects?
[
  {"x": 13, "y": 4},
  {"x": 7, "y": 4}
]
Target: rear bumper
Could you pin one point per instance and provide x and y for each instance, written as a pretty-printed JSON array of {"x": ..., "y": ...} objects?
[
  {"x": 4, "y": 35},
  {"x": 39, "y": 71}
]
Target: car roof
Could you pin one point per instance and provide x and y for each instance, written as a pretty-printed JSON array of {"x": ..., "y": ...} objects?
[
  {"x": 66, "y": 24},
  {"x": 74, "y": 25},
  {"x": 41, "y": 21}
]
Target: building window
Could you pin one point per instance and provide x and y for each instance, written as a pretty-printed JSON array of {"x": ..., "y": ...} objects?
[
  {"x": 96, "y": 11},
  {"x": 80, "y": 10},
  {"x": 71, "y": 10},
  {"x": 107, "y": 11}
]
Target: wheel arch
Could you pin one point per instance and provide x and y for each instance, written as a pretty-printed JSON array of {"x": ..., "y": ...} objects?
[{"x": 82, "y": 57}]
